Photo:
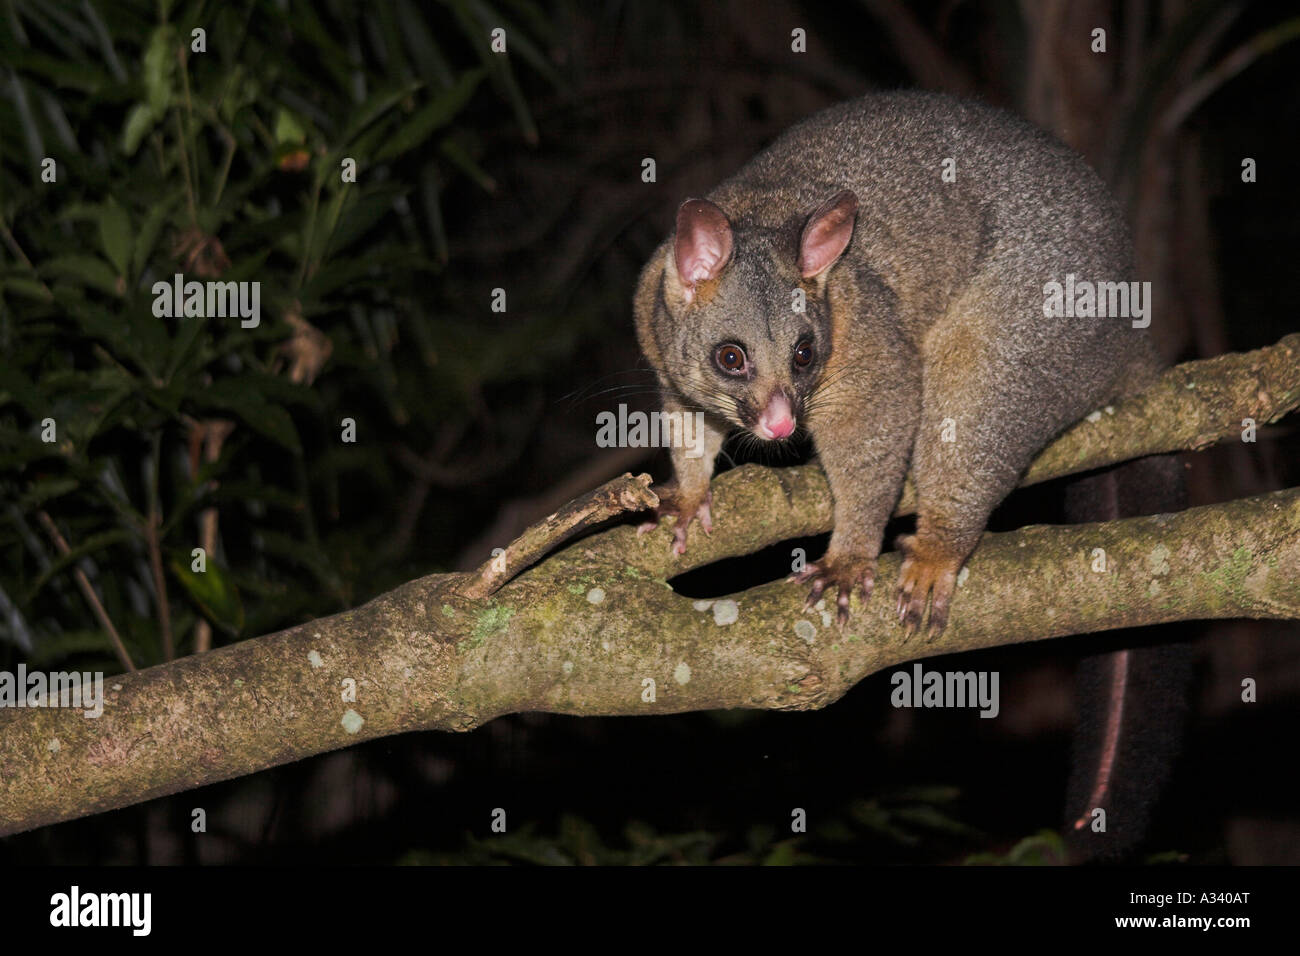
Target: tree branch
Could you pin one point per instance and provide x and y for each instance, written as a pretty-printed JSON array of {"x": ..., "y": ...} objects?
[{"x": 596, "y": 629}]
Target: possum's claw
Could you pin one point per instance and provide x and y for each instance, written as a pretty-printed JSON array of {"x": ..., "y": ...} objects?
[
  {"x": 845, "y": 574},
  {"x": 929, "y": 572},
  {"x": 684, "y": 509}
]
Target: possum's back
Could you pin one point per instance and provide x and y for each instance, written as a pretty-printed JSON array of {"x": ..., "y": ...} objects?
[{"x": 1024, "y": 186}]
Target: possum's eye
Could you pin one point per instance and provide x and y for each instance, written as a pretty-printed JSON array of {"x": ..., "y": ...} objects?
[
  {"x": 803, "y": 354},
  {"x": 730, "y": 358}
]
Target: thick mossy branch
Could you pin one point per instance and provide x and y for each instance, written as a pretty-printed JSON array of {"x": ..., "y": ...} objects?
[{"x": 595, "y": 628}]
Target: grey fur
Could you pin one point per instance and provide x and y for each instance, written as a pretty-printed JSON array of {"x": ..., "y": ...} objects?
[{"x": 933, "y": 315}]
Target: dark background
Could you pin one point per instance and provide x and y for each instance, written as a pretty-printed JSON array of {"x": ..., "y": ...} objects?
[{"x": 523, "y": 172}]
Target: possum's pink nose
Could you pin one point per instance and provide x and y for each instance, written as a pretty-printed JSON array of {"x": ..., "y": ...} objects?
[{"x": 777, "y": 420}]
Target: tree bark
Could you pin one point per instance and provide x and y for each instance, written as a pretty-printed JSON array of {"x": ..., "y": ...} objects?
[{"x": 595, "y": 628}]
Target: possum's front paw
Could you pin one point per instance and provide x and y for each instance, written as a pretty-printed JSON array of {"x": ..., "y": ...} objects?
[
  {"x": 684, "y": 508},
  {"x": 844, "y": 573},
  {"x": 929, "y": 571}
]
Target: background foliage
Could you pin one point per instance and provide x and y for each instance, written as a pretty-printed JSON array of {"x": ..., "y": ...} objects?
[{"x": 226, "y": 164}]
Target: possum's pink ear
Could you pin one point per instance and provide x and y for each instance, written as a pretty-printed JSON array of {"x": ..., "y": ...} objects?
[
  {"x": 827, "y": 233},
  {"x": 703, "y": 243}
]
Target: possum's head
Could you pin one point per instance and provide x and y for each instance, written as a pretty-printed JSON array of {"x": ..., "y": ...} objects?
[{"x": 751, "y": 324}]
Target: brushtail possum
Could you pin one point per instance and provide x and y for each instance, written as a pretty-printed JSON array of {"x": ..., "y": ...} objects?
[{"x": 877, "y": 277}]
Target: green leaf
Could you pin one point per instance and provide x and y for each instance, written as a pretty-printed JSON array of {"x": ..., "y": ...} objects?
[
  {"x": 182, "y": 350},
  {"x": 213, "y": 590},
  {"x": 115, "y": 234},
  {"x": 428, "y": 59},
  {"x": 430, "y": 194},
  {"x": 375, "y": 107},
  {"x": 237, "y": 396},
  {"x": 280, "y": 389},
  {"x": 288, "y": 128},
  {"x": 932, "y": 818},
  {"x": 63, "y": 73},
  {"x": 499, "y": 66},
  {"x": 168, "y": 397},
  {"x": 147, "y": 237},
  {"x": 359, "y": 272},
  {"x": 1045, "y": 848},
  {"x": 462, "y": 161},
  {"x": 439, "y": 111},
  {"x": 506, "y": 78},
  {"x": 84, "y": 403},
  {"x": 21, "y": 388},
  {"x": 236, "y": 491},
  {"x": 27, "y": 288},
  {"x": 359, "y": 217},
  {"x": 79, "y": 212},
  {"x": 137, "y": 126},
  {"x": 783, "y": 854},
  {"x": 159, "y": 67},
  {"x": 519, "y": 40},
  {"x": 90, "y": 271},
  {"x": 46, "y": 489},
  {"x": 88, "y": 546},
  {"x": 31, "y": 131},
  {"x": 241, "y": 90},
  {"x": 51, "y": 649},
  {"x": 137, "y": 335}
]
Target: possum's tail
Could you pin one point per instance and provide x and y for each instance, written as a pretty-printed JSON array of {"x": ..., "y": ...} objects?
[{"x": 1131, "y": 704}]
